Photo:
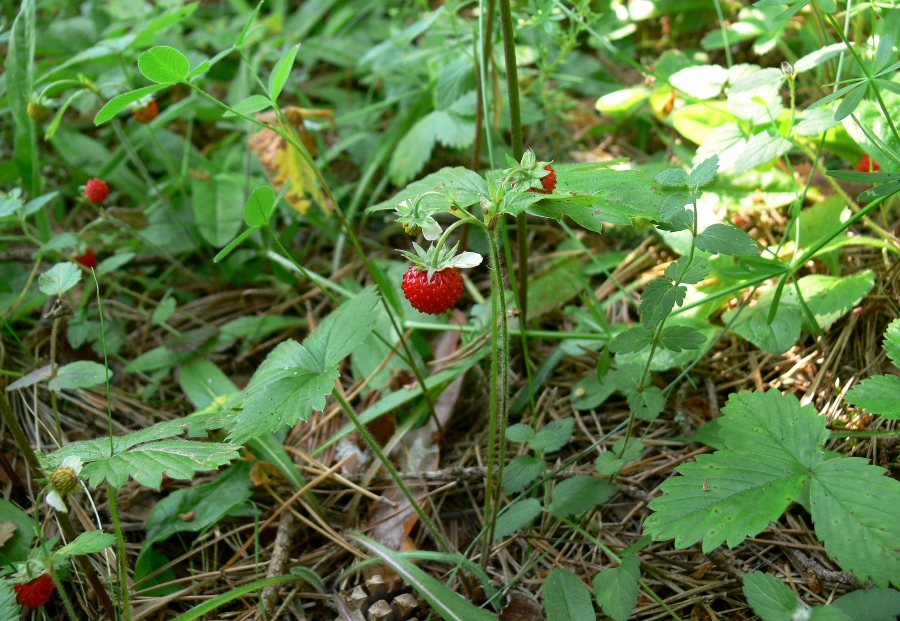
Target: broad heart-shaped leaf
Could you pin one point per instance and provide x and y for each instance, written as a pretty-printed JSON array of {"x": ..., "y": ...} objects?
[
  {"x": 120, "y": 102},
  {"x": 449, "y": 604},
  {"x": 879, "y": 394},
  {"x": 164, "y": 65},
  {"x": 658, "y": 300},
  {"x": 771, "y": 444},
  {"x": 516, "y": 515},
  {"x": 521, "y": 471},
  {"x": 770, "y": 598},
  {"x": 566, "y": 598},
  {"x": 616, "y": 589},
  {"x": 294, "y": 379},
  {"x": 854, "y": 508},
  {"x": 579, "y": 494},
  {"x": 553, "y": 436},
  {"x": 721, "y": 238}
]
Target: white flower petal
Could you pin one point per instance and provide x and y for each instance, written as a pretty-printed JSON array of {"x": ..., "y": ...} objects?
[
  {"x": 54, "y": 499},
  {"x": 74, "y": 462},
  {"x": 431, "y": 230},
  {"x": 467, "y": 259}
]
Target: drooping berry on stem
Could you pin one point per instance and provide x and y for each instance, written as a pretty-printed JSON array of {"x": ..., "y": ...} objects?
[
  {"x": 88, "y": 259},
  {"x": 96, "y": 190},
  {"x": 867, "y": 164},
  {"x": 436, "y": 295},
  {"x": 36, "y": 592}
]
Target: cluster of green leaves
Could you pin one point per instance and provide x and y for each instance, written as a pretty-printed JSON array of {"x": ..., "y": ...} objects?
[{"x": 774, "y": 455}]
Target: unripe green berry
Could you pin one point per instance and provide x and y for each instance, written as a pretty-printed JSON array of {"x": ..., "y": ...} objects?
[
  {"x": 64, "y": 479},
  {"x": 36, "y": 111}
]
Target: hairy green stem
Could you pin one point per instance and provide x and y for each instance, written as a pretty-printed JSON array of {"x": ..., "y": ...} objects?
[{"x": 121, "y": 552}]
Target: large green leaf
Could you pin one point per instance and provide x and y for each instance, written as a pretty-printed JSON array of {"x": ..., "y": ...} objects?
[
  {"x": 770, "y": 444},
  {"x": 218, "y": 206},
  {"x": 294, "y": 379},
  {"x": 879, "y": 394},
  {"x": 772, "y": 599},
  {"x": 566, "y": 598},
  {"x": 854, "y": 507}
]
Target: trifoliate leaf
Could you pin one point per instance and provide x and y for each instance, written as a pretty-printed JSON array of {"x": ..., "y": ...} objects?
[
  {"x": 677, "y": 338},
  {"x": 521, "y": 471},
  {"x": 721, "y": 238},
  {"x": 515, "y": 516},
  {"x": 616, "y": 589},
  {"x": 687, "y": 270},
  {"x": 770, "y": 598},
  {"x": 879, "y": 395},
  {"x": 632, "y": 340},
  {"x": 854, "y": 508},
  {"x": 579, "y": 494},
  {"x": 658, "y": 300},
  {"x": 553, "y": 436}
]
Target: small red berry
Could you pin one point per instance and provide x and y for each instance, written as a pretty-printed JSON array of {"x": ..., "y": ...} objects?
[
  {"x": 96, "y": 190},
  {"x": 146, "y": 113},
  {"x": 36, "y": 592},
  {"x": 867, "y": 164},
  {"x": 88, "y": 259},
  {"x": 548, "y": 181},
  {"x": 437, "y": 296}
]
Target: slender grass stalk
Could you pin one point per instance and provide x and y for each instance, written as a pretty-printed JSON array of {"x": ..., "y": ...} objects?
[{"x": 426, "y": 521}]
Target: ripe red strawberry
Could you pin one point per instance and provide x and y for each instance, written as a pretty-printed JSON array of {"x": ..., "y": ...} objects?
[
  {"x": 36, "y": 592},
  {"x": 867, "y": 164},
  {"x": 88, "y": 259},
  {"x": 435, "y": 296},
  {"x": 548, "y": 181},
  {"x": 146, "y": 113},
  {"x": 96, "y": 190}
]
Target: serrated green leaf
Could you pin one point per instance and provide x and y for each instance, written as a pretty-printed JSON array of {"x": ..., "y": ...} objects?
[
  {"x": 280, "y": 72},
  {"x": 120, "y": 102},
  {"x": 892, "y": 341},
  {"x": 81, "y": 374},
  {"x": 771, "y": 444},
  {"x": 464, "y": 185},
  {"x": 854, "y": 508},
  {"x": 566, "y": 598},
  {"x": 164, "y": 65},
  {"x": 616, "y": 589},
  {"x": 673, "y": 177},
  {"x": 515, "y": 516},
  {"x": 632, "y": 340},
  {"x": 760, "y": 149},
  {"x": 519, "y": 433},
  {"x": 59, "y": 278},
  {"x": 658, "y": 301},
  {"x": 89, "y": 542},
  {"x": 770, "y": 598},
  {"x": 879, "y": 395},
  {"x": 9, "y": 605},
  {"x": 721, "y": 238},
  {"x": 294, "y": 379},
  {"x": 147, "y": 463},
  {"x": 704, "y": 172},
  {"x": 579, "y": 494},
  {"x": 260, "y": 206},
  {"x": 688, "y": 270},
  {"x": 521, "y": 471},
  {"x": 872, "y": 605},
  {"x": 677, "y": 338},
  {"x": 647, "y": 403},
  {"x": 674, "y": 205}
]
